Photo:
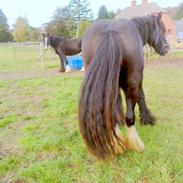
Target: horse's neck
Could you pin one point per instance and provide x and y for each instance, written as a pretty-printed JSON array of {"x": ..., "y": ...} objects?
[
  {"x": 55, "y": 42},
  {"x": 143, "y": 28}
]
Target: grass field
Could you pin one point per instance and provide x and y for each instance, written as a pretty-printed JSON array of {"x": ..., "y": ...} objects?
[{"x": 40, "y": 140}]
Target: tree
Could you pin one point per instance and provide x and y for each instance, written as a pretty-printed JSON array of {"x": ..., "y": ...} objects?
[
  {"x": 111, "y": 15},
  {"x": 80, "y": 11},
  {"x": 21, "y": 30},
  {"x": 57, "y": 28},
  {"x": 103, "y": 13},
  {"x": 180, "y": 11},
  {"x": 176, "y": 12},
  {"x": 4, "y": 28},
  {"x": 62, "y": 24},
  {"x": 34, "y": 34},
  {"x": 84, "y": 24},
  {"x": 63, "y": 13}
]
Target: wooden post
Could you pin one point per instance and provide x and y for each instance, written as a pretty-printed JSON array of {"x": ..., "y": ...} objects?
[
  {"x": 77, "y": 31},
  {"x": 42, "y": 55}
]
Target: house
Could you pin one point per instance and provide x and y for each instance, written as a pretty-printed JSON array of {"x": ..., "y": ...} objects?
[
  {"x": 179, "y": 30},
  {"x": 147, "y": 8}
]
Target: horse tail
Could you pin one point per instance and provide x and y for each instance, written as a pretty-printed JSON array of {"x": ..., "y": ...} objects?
[{"x": 100, "y": 108}]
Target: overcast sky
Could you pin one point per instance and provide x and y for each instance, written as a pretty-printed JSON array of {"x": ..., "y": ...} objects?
[{"x": 40, "y": 11}]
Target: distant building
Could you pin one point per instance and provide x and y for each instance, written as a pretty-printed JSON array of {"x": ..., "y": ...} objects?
[{"x": 146, "y": 8}]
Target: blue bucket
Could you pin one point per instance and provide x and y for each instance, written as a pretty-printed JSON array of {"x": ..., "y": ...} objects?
[{"x": 75, "y": 62}]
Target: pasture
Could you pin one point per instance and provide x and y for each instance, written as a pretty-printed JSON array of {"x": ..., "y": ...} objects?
[{"x": 39, "y": 136}]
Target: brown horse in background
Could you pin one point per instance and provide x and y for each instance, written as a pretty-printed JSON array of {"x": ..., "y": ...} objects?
[
  {"x": 62, "y": 47},
  {"x": 114, "y": 59}
]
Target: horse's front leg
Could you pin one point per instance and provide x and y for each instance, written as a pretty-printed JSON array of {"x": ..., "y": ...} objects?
[
  {"x": 62, "y": 68},
  {"x": 145, "y": 115},
  {"x": 133, "y": 140}
]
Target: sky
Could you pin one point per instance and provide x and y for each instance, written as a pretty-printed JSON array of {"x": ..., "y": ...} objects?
[{"x": 39, "y": 12}]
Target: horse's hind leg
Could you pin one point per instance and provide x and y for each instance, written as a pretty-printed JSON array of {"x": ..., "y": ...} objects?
[
  {"x": 145, "y": 115},
  {"x": 133, "y": 140}
]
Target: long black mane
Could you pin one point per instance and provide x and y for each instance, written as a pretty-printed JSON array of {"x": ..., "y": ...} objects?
[{"x": 151, "y": 31}]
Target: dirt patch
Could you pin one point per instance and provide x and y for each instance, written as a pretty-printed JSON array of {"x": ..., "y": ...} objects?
[
  {"x": 163, "y": 62},
  {"x": 11, "y": 76}
]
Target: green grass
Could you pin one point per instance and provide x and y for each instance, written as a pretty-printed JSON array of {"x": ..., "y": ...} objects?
[
  {"x": 40, "y": 140},
  {"x": 26, "y": 59}
]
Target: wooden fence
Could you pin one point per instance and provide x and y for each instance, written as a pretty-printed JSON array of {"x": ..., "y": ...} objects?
[{"x": 17, "y": 48}]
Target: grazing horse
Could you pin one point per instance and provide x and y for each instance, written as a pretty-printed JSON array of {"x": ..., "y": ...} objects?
[
  {"x": 113, "y": 55},
  {"x": 62, "y": 47}
]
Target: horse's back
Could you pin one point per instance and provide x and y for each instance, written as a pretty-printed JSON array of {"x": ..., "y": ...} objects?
[{"x": 128, "y": 34}]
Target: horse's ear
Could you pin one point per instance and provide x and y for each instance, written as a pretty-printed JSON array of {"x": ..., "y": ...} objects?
[{"x": 159, "y": 16}]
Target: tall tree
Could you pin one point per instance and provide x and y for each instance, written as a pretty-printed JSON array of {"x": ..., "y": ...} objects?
[
  {"x": 80, "y": 11},
  {"x": 103, "y": 12},
  {"x": 21, "y": 30},
  {"x": 4, "y": 28},
  {"x": 63, "y": 13}
]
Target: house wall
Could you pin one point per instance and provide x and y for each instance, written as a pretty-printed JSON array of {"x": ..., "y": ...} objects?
[{"x": 170, "y": 27}]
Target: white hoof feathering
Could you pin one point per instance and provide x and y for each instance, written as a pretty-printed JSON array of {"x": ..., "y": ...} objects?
[
  {"x": 82, "y": 69},
  {"x": 119, "y": 144},
  {"x": 67, "y": 69},
  {"x": 133, "y": 140}
]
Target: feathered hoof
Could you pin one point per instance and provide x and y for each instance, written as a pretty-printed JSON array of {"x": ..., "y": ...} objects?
[
  {"x": 62, "y": 70},
  {"x": 147, "y": 119},
  {"x": 133, "y": 141},
  {"x": 67, "y": 69},
  {"x": 119, "y": 142},
  {"x": 82, "y": 69}
]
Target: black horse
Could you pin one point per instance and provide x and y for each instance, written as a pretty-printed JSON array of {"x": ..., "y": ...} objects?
[
  {"x": 113, "y": 55},
  {"x": 62, "y": 47}
]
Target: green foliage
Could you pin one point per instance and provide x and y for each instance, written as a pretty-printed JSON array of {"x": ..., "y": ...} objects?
[
  {"x": 57, "y": 28},
  {"x": 62, "y": 24},
  {"x": 34, "y": 34},
  {"x": 111, "y": 15},
  {"x": 176, "y": 12},
  {"x": 21, "y": 32},
  {"x": 103, "y": 12},
  {"x": 80, "y": 10},
  {"x": 66, "y": 20},
  {"x": 84, "y": 24},
  {"x": 4, "y": 28},
  {"x": 180, "y": 11}
]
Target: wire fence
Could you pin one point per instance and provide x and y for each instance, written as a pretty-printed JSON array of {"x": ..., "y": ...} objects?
[
  {"x": 27, "y": 51},
  {"x": 35, "y": 52}
]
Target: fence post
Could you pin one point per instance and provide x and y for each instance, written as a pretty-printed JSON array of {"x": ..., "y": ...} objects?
[{"x": 42, "y": 55}]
